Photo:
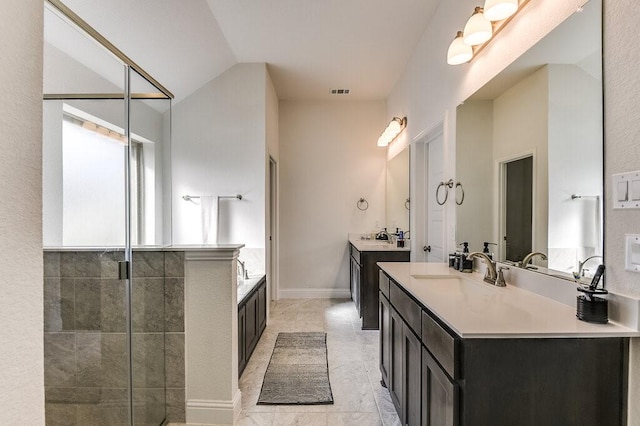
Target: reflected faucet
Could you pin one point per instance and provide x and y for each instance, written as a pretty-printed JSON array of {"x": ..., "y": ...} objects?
[
  {"x": 490, "y": 275},
  {"x": 530, "y": 256},
  {"x": 581, "y": 270}
]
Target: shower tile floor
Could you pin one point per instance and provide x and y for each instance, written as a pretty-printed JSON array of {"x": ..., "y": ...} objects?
[{"x": 353, "y": 356}]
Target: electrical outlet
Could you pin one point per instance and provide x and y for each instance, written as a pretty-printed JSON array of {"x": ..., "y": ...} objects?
[{"x": 632, "y": 252}]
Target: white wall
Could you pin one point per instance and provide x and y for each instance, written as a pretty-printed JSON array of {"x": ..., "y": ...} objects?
[
  {"x": 21, "y": 356},
  {"x": 575, "y": 167},
  {"x": 219, "y": 149},
  {"x": 328, "y": 160},
  {"x": 622, "y": 132}
]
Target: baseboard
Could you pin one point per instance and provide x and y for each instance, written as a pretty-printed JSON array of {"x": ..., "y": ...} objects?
[
  {"x": 211, "y": 412},
  {"x": 314, "y": 293}
]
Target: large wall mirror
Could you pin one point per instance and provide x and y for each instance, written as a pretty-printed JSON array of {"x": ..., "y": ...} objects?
[
  {"x": 529, "y": 153},
  {"x": 397, "y": 193}
]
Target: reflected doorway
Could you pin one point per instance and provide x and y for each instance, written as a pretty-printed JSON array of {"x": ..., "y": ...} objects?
[{"x": 518, "y": 202}]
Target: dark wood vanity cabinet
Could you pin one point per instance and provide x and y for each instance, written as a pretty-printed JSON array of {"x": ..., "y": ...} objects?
[
  {"x": 252, "y": 320},
  {"x": 436, "y": 378},
  {"x": 363, "y": 280}
]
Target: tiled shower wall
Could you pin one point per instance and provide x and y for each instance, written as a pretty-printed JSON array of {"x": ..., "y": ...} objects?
[{"x": 85, "y": 337}]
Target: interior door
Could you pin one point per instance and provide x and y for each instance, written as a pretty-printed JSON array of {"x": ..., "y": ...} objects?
[{"x": 518, "y": 208}]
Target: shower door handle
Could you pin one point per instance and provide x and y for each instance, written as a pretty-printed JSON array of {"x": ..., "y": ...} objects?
[{"x": 124, "y": 266}]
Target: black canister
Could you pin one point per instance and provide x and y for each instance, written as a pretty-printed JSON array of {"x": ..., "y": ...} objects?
[{"x": 592, "y": 305}]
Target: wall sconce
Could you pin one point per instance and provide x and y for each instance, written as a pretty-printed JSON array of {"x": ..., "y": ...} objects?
[
  {"x": 481, "y": 28},
  {"x": 395, "y": 126}
]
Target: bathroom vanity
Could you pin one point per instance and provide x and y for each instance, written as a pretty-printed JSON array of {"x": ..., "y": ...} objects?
[
  {"x": 252, "y": 317},
  {"x": 363, "y": 275},
  {"x": 457, "y": 351}
]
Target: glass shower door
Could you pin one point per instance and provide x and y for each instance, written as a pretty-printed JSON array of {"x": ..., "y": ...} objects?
[
  {"x": 149, "y": 145},
  {"x": 103, "y": 178}
]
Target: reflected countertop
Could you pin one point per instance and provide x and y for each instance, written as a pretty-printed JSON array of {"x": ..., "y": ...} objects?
[
  {"x": 474, "y": 309},
  {"x": 375, "y": 245}
]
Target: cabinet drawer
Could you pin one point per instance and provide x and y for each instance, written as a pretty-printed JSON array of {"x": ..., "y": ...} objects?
[
  {"x": 355, "y": 254},
  {"x": 383, "y": 283},
  {"x": 406, "y": 307},
  {"x": 440, "y": 343}
]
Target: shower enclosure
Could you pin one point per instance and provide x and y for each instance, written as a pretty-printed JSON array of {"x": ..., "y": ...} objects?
[{"x": 106, "y": 218}]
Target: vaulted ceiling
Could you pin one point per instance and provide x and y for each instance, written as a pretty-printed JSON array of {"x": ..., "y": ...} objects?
[{"x": 310, "y": 46}]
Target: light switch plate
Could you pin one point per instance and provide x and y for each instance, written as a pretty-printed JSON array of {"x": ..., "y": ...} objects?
[
  {"x": 632, "y": 252},
  {"x": 626, "y": 190}
]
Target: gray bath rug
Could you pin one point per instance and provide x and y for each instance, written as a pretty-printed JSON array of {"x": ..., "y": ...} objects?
[{"x": 297, "y": 373}]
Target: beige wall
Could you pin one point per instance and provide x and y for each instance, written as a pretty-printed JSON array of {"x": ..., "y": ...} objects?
[
  {"x": 520, "y": 122},
  {"x": 21, "y": 355},
  {"x": 328, "y": 160},
  {"x": 474, "y": 170}
]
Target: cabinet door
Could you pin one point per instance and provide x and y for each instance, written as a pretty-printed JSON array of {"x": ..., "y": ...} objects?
[
  {"x": 251, "y": 315},
  {"x": 385, "y": 339},
  {"x": 395, "y": 372},
  {"x": 242, "y": 354},
  {"x": 439, "y": 394},
  {"x": 355, "y": 284},
  {"x": 411, "y": 367},
  {"x": 262, "y": 307}
]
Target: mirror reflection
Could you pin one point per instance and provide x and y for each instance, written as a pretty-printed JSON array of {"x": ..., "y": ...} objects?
[
  {"x": 397, "y": 193},
  {"x": 529, "y": 154}
]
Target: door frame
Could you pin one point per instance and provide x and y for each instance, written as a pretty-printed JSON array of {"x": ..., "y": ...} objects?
[
  {"x": 501, "y": 208},
  {"x": 272, "y": 231},
  {"x": 418, "y": 214}
]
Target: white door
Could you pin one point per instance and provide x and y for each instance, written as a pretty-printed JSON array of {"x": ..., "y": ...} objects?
[
  {"x": 435, "y": 249},
  {"x": 428, "y": 242}
]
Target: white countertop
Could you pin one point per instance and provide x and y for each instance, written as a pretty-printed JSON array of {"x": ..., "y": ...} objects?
[
  {"x": 375, "y": 245},
  {"x": 475, "y": 309},
  {"x": 247, "y": 285}
]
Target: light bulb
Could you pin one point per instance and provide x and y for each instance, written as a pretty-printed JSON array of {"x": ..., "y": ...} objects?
[
  {"x": 478, "y": 29},
  {"x": 459, "y": 52},
  {"x": 498, "y": 10}
]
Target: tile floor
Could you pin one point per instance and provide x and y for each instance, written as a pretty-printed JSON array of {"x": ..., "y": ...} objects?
[{"x": 359, "y": 399}]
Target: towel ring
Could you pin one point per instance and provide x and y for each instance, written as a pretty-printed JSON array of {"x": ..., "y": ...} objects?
[
  {"x": 446, "y": 185},
  {"x": 362, "y": 204},
  {"x": 459, "y": 184},
  {"x": 407, "y": 203}
]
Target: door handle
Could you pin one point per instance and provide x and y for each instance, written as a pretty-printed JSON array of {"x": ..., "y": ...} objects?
[{"x": 426, "y": 248}]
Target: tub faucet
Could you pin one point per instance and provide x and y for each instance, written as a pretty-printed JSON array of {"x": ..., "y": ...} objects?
[
  {"x": 490, "y": 275},
  {"x": 244, "y": 274},
  {"x": 530, "y": 256},
  {"x": 581, "y": 270}
]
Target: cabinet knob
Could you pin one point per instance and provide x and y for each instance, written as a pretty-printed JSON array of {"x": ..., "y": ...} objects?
[{"x": 426, "y": 248}]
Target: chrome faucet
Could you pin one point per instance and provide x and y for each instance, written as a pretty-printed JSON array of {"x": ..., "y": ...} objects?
[
  {"x": 490, "y": 275},
  {"x": 581, "y": 270},
  {"x": 530, "y": 256},
  {"x": 244, "y": 274}
]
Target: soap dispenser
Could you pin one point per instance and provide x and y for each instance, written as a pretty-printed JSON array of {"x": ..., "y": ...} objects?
[
  {"x": 466, "y": 264},
  {"x": 486, "y": 250}
]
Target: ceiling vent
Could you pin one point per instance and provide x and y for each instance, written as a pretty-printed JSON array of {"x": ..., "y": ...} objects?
[{"x": 340, "y": 91}]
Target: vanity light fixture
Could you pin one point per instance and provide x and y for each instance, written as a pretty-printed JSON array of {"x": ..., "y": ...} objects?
[
  {"x": 478, "y": 28},
  {"x": 395, "y": 126},
  {"x": 459, "y": 52},
  {"x": 481, "y": 28}
]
